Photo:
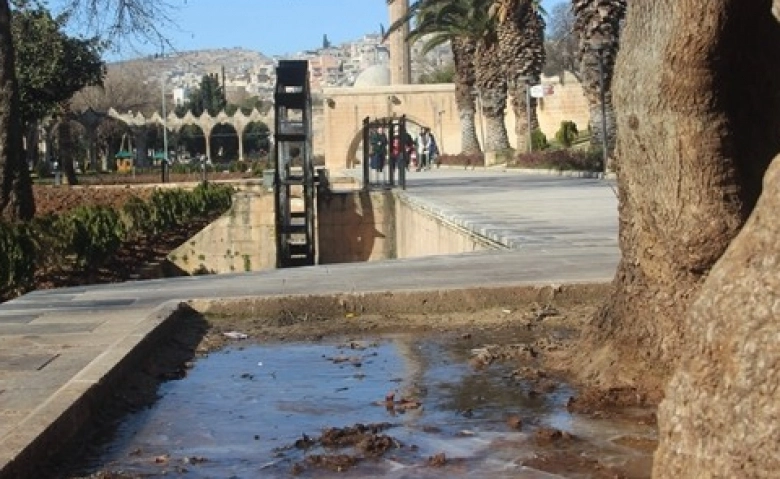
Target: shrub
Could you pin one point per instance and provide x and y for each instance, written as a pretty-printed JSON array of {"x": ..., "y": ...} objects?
[
  {"x": 17, "y": 261},
  {"x": 539, "y": 140},
  {"x": 93, "y": 234},
  {"x": 567, "y": 133}
]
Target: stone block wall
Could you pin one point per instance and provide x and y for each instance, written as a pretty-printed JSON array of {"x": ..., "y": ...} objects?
[
  {"x": 241, "y": 240},
  {"x": 352, "y": 226}
]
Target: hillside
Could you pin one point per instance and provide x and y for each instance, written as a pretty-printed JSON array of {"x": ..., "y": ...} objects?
[{"x": 237, "y": 62}]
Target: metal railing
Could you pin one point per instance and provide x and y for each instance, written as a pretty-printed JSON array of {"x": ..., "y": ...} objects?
[{"x": 386, "y": 151}]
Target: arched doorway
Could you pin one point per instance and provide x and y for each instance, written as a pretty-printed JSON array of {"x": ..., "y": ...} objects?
[
  {"x": 256, "y": 139},
  {"x": 224, "y": 143},
  {"x": 355, "y": 151},
  {"x": 191, "y": 143}
]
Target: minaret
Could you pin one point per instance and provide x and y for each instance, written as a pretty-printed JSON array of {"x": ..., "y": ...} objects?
[{"x": 400, "y": 51}]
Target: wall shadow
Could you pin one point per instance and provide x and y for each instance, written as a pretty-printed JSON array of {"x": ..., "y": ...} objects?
[{"x": 354, "y": 226}]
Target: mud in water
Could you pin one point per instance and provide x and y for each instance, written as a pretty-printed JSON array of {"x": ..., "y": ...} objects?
[{"x": 462, "y": 395}]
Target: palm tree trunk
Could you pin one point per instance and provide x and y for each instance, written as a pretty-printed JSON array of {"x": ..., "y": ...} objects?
[
  {"x": 492, "y": 85},
  {"x": 597, "y": 23},
  {"x": 496, "y": 136},
  {"x": 520, "y": 107},
  {"x": 463, "y": 56},
  {"x": 16, "y": 196},
  {"x": 521, "y": 44},
  {"x": 468, "y": 129}
]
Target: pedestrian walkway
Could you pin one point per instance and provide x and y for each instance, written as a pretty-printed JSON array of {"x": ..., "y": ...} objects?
[{"x": 56, "y": 346}]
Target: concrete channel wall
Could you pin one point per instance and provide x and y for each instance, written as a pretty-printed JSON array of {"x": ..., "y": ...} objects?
[{"x": 352, "y": 226}]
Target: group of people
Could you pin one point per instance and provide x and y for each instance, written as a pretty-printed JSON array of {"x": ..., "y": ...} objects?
[{"x": 421, "y": 152}]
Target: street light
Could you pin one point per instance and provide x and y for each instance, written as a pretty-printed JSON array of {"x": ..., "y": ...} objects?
[
  {"x": 476, "y": 92},
  {"x": 599, "y": 45},
  {"x": 165, "y": 132},
  {"x": 440, "y": 144}
]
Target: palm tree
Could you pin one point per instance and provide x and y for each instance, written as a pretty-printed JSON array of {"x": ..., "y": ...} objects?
[
  {"x": 597, "y": 24},
  {"x": 438, "y": 22},
  {"x": 520, "y": 27},
  {"x": 491, "y": 80},
  {"x": 470, "y": 22}
]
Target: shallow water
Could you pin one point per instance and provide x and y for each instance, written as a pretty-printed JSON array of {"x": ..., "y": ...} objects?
[{"x": 240, "y": 411}]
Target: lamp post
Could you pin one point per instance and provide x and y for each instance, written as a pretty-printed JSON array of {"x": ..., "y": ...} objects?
[
  {"x": 478, "y": 96},
  {"x": 165, "y": 132},
  {"x": 599, "y": 45},
  {"x": 528, "y": 112},
  {"x": 440, "y": 144},
  {"x": 527, "y": 81}
]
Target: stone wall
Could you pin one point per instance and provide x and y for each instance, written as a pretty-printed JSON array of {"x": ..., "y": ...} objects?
[
  {"x": 241, "y": 240},
  {"x": 338, "y": 137},
  {"x": 423, "y": 233},
  {"x": 352, "y": 226}
]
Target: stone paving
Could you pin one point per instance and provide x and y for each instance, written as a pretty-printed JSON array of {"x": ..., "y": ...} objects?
[{"x": 57, "y": 346}]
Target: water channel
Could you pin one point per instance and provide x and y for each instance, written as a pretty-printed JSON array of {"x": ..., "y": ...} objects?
[{"x": 256, "y": 410}]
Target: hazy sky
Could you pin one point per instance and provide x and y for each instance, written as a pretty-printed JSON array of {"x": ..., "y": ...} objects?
[{"x": 273, "y": 27}]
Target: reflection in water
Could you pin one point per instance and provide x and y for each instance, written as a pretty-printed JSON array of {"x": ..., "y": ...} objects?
[{"x": 241, "y": 410}]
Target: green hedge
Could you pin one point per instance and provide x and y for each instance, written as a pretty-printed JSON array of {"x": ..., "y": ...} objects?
[{"x": 86, "y": 237}]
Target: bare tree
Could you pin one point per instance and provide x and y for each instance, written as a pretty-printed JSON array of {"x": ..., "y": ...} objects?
[
  {"x": 562, "y": 44},
  {"x": 121, "y": 90},
  {"x": 117, "y": 20}
]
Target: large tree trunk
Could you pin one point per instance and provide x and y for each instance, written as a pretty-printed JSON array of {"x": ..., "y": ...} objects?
[
  {"x": 719, "y": 418},
  {"x": 697, "y": 96},
  {"x": 16, "y": 196},
  {"x": 720, "y": 414},
  {"x": 463, "y": 56}
]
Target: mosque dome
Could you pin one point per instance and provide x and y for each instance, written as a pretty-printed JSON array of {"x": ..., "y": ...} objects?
[{"x": 373, "y": 76}]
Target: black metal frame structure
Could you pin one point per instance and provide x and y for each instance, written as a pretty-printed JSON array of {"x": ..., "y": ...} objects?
[{"x": 294, "y": 174}]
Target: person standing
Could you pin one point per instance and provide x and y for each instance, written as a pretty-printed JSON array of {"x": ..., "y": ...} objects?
[
  {"x": 378, "y": 146},
  {"x": 432, "y": 150},
  {"x": 429, "y": 150}
]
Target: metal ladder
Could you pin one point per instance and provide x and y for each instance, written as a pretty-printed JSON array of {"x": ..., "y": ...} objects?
[{"x": 294, "y": 178}]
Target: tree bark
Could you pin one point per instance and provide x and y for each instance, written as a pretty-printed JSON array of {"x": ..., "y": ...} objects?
[
  {"x": 597, "y": 24},
  {"x": 494, "y": 113},
  {"x": 492, "y": 84},
  {"x": 520, "y": 108},
  {"x": 67, "y": 151},
  {"x": 719, "y": 418},
  {"x": 463, "y": 56},
  {"x": 16, "y": 196},
  {"x": 697, "y": 95}
]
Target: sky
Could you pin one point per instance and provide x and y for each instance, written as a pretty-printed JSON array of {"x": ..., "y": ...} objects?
[{"x": 273, "y": 27}]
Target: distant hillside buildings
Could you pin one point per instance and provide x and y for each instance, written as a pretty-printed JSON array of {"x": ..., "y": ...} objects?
[{"x": 249, "y": 73}]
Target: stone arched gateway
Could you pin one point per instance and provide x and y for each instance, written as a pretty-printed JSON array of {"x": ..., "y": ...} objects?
[{"x": 139, "y": 124}]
